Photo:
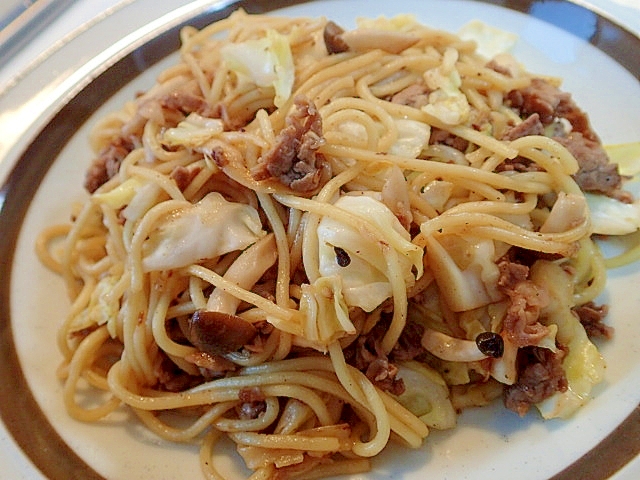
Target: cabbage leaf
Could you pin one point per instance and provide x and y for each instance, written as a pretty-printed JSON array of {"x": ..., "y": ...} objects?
[{"x": 194, "y": 232}]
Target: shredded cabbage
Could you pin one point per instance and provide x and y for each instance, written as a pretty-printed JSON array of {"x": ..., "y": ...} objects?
[
  {"x": 325, "y": 312},
  {"x": 426, "y": 395},
  {"x": 121, "y": 195},
  {"x": 207, "y": 229},
  {"x": 266, "y": 62},
  {"x": 490, "y": 41},
  {"x": 610, "y": 216},
  {"x": 103, "y": 307},
  {"x": 413, "y": 137},
  {"x": 446, "y": 102},
  {"x": 613, "y": 217},
  {"x": 364, "y": 279},
  {"x": 193, "y": 132},
  {"x": 465, "y": 271}
]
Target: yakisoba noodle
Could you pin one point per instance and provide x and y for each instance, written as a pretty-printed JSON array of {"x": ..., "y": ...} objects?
[{"x": 315, "y": 241}]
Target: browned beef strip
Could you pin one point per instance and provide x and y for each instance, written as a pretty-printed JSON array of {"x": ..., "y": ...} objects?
[
  {"x": 252, "y": 405},
  {"x": 172, "y": 378},
  {"x": 540, "y": 375},
  {"x": 187, "y": 102},
  {"x": 366, "y": 355},
  {"x": 293, "y": 159},
  {"x": 183, "y": 176},
  {"x": 416, "y": 96},
  {"x": 443, "y": 137},
  {"x": 409, "y": 344},
  {"x": 591, "y": 317},
  {"x": 107, "y": 164},
  {"x": 530, "y": 126},
  {"x": 595, "y": 173},
  {"x": 550, "y": 103},
  {"x": 333, "y": 39},
  {"x": 511, "y": 273},
  {"x": 521, "y": 324}
]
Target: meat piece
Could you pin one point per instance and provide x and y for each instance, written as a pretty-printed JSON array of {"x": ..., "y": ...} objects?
[
  {"x": 530, "y": 126},
  {"x": 540, "y": 375},
  {"x": 591, "y": 317},
  {"x": 183, "y": 176},
  {"x": 521, "y": 323},
  {"x": 443, "y": 137},
  {"x": 550, "y": 103},
  {"x": 251, "y": 394},
  {"x": 217, "y": 333},
  {"x": 518, "y": 164},
  {"x": 416, "y": 96},
  {"x": 252, "y": 403},
  {"x": 383, "y": 374},
  {"x": 595, "y": 173},
  {"x": 409, "y": 344},
  {"x": 333, "y": 39},
  {"x": 293, "y": 159},
  {"x": 172, "y": 378},
  {"x": 187, "y": 102},
  {"x": 539, "y": 97},
  {"x": 366, "y": 355},
  {"x": 511, "y": 273},
  {"x": 107, "y": 165}
]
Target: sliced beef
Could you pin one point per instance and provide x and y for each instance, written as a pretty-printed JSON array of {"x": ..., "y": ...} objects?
[
  {"x": 183, "y": 176},
  {"x": 443, "y": 137},
  {"x": 595, "y": 173},
  {"x": 409, "y": 344},
  {"x": 539, "y": 97},
  {"x": 550, "y": 103},
  {"x": 540, "y": 375},
  {"x": 530, "y": 126},
  {"x": 107, "y": 164},
  {"x": 366, "y": 355},
  {"x": 511, "y": 273},
  {"x": 521, "y": 323},
  {"x": 591, "y": 317},
  {"x": 416, "y": 96},
  {"x": 187, "y": 102},
  {"x": 252, "y": 403},
  {"x": 172, "y": 378},
  {"x": 293, "y": 160}
]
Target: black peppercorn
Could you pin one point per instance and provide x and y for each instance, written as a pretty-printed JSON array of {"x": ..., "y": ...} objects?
[
  {"x": 342, "y": 257},
  {"x": 490, "y": 344}
]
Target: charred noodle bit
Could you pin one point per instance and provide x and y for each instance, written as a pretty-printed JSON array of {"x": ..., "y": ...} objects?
[{"x": 314, "y": 241}]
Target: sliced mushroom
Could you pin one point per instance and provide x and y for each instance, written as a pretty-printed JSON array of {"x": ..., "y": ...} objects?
[
  {"x": 245, "y": 272},
  {"x": 218, "y": 333},
  {"x": 362, "y": 39},
  {"x": 333, "y": 38}
]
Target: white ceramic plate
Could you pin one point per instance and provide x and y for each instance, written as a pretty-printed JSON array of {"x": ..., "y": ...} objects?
[{"x": 488, "y": 443}]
